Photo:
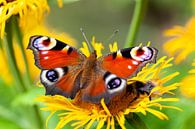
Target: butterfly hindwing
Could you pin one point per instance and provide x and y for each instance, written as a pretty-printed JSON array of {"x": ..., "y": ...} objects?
[
  {"x": 127, "y": 62},
  {"x": 62, "y": 81},
  {"x": 103, "y": 85},
  {"x": 51, "y": 53}
]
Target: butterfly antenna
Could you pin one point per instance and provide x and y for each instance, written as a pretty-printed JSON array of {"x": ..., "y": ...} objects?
[
  {"x": 87, "y": 41},
  {"x": 112, "y": 36}
]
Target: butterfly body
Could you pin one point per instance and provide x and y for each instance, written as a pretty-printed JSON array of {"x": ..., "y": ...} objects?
[
  {"x": 66, "y": 71},
  {"x": 88, "y": 70}
]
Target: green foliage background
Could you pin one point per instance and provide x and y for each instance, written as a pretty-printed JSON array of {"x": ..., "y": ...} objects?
[{"x": 100, "y": 18}]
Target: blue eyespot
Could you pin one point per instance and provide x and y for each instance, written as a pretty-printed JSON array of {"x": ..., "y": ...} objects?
[
  {"x": 114, "y": 83},
  {"x": 52, "y": 75}
]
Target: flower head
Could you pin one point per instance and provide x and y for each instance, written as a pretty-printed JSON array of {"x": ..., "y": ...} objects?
[
  {"x": 25, "y": 9},
  {"x": 182, "y": 40},
  {"x": 85, "y": 114},
  {"x": 188, "y": 87}
]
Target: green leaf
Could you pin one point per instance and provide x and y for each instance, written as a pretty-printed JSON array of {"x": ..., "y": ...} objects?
[
  {"x": 6, "y": 124},
  {"x": 8, "y": 45},
  {"x": 6, "y": 113},
  {"x": 28, "y": 98},
  {"x": 10, "y": 117},
  {"x": 18, "y": 33},
  {"x": 135, "y": 121}
]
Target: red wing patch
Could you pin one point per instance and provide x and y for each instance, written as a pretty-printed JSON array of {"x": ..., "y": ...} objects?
[
  {"x": 53, "y": 59},
  {"x": 127, "y": 62},
  {"x": 51, "y": 53},
  {"x": 95, "y": 91}
]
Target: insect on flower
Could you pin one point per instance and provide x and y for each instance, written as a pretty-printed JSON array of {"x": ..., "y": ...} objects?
[
  {"x": 134, "y": 96},
  {"x": 68, "y": 72}
]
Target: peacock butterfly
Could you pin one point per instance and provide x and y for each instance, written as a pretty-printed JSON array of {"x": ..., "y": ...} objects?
[{"x": 65, "y": 70}]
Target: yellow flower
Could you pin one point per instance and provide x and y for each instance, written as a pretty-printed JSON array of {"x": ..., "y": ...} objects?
[
  {"x": 97, "y": 46},
  {"x": 40, "y": 29},
  {"x": 182, "y": 42},
  {"x": 188, "y": 86},
  {"x": 25, "y": 9},
  {"x": 84, "y": 114},
  {"x": 3, "y": 68}
]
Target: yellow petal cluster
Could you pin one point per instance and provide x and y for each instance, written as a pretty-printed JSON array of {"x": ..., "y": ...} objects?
[
  {"x": 25, "y": 10},
  {"x": 98, "y": 46},
  {"x": 188, "y": 86},
  {"x": 181, "y": 42}
]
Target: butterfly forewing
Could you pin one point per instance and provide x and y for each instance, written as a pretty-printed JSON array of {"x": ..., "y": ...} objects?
[
  {"x": 127, "y": 62},
  {"x": 51, "y": 53}
]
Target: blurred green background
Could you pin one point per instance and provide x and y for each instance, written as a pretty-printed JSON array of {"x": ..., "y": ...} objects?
[{"x": 100, "y": 18}]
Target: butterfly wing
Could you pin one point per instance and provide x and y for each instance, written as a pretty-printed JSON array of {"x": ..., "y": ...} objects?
[
  {"x": 112, "y": 70},
  {"x": 60, "y": 64},
  {"x": 62, "y": 81},
  {"x": 103, "y": 85},
  {"x": 51, "y": 53},
  {"x": 127, "y": 62}
]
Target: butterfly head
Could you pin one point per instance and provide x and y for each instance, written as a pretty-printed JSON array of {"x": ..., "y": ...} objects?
[{"x": 93, "y": 55}]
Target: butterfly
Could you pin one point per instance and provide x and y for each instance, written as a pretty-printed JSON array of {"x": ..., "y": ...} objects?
[{"x": 66, "y": 71}]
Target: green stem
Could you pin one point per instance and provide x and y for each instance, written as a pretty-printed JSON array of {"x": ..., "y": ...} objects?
[
  {"x": 135, "y": 23},
  {"x": 10, "y": 56},
  {"x": 26, "y": 77},
  {"x": 39, "y": 118},
  {"x": 10, "y": 27},
  {"x": 20, "y": 43}
]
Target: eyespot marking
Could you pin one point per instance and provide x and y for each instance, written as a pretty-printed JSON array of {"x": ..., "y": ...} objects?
[
  {"x": 141, "y": 53},
  {"x": 43, "y": 43},
  {"x": 114, "y": 84},
  {"x": 46, "y": 42},
  {"x": 50, "y": 77}
]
